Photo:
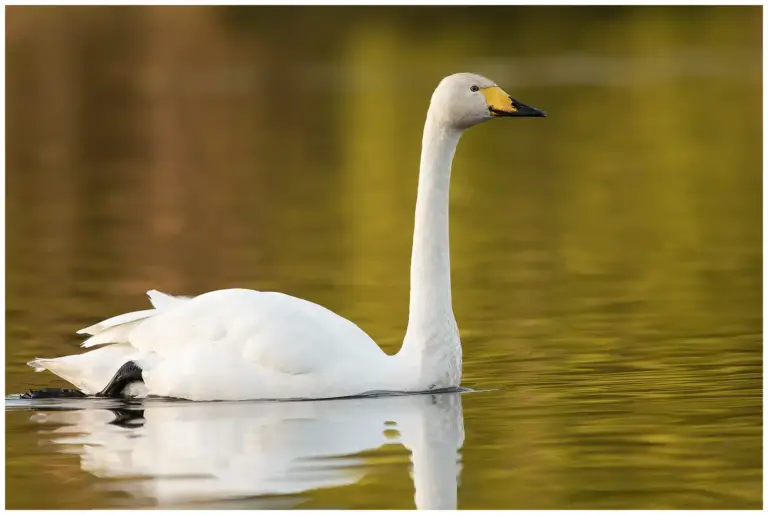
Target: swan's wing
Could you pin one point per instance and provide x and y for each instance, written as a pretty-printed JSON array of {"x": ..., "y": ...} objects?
[
  {"x": 275, "y": 331},
  {"x": 296, "y": 337}
]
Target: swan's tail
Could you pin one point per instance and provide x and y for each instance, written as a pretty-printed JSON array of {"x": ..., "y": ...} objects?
[{"x": 92, "y": 370}]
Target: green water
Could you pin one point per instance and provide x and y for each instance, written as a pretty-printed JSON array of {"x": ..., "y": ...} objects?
[{"x": 606, "y": 260}]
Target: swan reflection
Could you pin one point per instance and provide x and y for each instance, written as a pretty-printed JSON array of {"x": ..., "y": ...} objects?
[{"x": 176, "y": 452}]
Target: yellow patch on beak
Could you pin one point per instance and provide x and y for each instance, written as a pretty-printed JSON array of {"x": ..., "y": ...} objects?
[{"x": 498, "y": 100}]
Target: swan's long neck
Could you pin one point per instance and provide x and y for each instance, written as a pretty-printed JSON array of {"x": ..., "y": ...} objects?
[{"x": 432, "y": 336}]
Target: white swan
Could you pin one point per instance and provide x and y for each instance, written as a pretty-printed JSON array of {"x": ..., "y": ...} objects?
[
  {"x": 173, "y": 454},
  {"x": 242, "y": 344}
]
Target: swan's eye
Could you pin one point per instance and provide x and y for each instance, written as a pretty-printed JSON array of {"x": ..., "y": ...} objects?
[{"x": 474, "y": 89}]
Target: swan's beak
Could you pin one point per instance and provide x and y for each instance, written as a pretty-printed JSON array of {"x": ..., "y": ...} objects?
[{"x": 501, "y": 104}]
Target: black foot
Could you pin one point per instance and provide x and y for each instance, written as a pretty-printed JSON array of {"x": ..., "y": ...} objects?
[
  {"x": 125, "y": 375},
  {"x": 53, "y": 393}
]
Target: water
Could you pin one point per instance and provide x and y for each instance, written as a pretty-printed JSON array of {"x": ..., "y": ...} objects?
[{"x": 606, "y": 260}]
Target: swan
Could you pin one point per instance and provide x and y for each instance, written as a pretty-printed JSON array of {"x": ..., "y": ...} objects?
[{"x": 240, "y": 344}]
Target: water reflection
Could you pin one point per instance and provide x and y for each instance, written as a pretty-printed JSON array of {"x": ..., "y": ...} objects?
[{"x": 179, "y": 453}]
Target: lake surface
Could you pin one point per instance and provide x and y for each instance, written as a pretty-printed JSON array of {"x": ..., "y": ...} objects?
[{"x": 607, "y": 261}]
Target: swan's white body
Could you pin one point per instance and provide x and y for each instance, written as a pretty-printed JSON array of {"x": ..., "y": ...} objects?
[
  {"x": 244, "y": 344},
  {"x": 237, "y": 344}
]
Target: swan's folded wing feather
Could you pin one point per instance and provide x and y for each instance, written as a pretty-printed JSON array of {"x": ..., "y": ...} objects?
[
  {"x": 115, "y": 321},
  {"x": 289, "y": 348},
  {"x": 162, "y": 300},
  {"x": 301, "y": 337},
  {"x": 275, "y": 331},
  {"x": 119, "y": 328}
]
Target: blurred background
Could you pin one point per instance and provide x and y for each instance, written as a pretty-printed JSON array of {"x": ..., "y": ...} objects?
[{"x": 606, "y": 260}]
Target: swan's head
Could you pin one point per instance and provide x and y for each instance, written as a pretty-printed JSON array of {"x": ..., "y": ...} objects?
[{"x": 462, "y": 100}]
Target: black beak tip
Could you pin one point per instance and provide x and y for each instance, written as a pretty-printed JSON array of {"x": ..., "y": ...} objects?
[
  {"x": 521, "y": 110},
  {"x": 525, "y": 110}
]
